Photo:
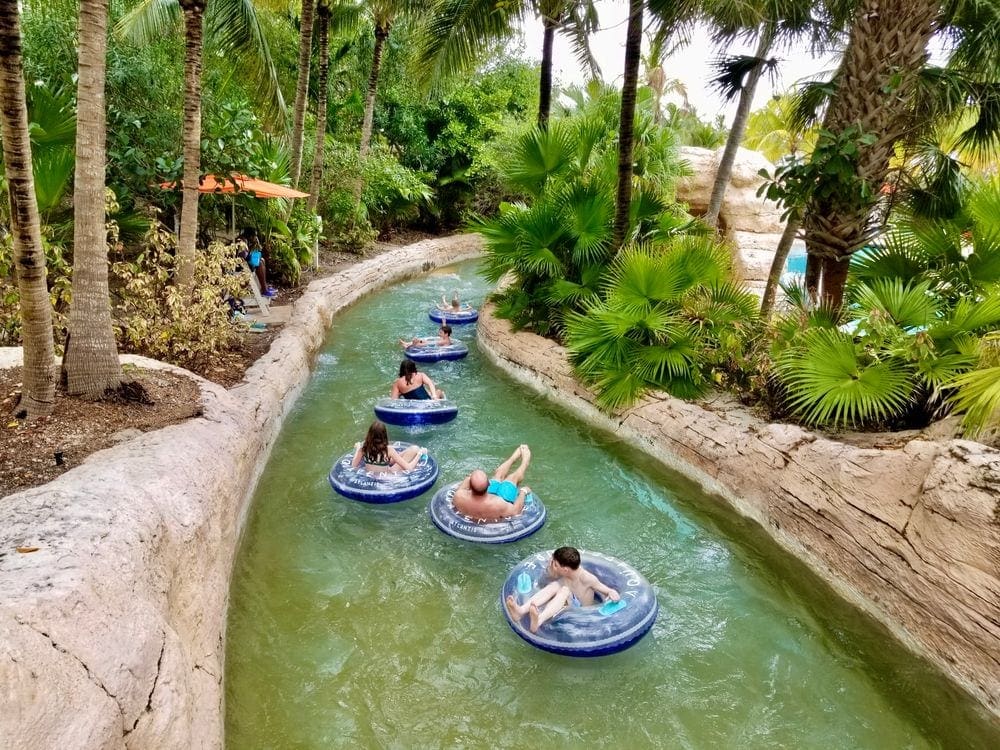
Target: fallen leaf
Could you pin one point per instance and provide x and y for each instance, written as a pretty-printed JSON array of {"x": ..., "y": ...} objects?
[{"x": 27, "y": 549}]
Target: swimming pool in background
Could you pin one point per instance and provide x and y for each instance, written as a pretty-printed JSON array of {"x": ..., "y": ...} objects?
[
  {"x": 796, "y": 261},
  {"x": 354, "y": 625}
]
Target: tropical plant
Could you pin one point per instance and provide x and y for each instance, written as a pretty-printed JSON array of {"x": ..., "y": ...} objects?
[
  {"x": 302, "y": 85},
  {"x": 669, "y": 317},
  {"x": 38, "y": 376},
  {"x": 558, "y": 247},
  {"x": 459, "y": 32},
  {"x": 773, "y": 131},
  {"x": 626, "y": 123},
  {"x": 158, "y": 319},
  {"x": 881, "y": 89},
  {"x": 232, "y": 26},
  {"x": 922, "y": 306},
  {"x": 91, "y": 357}
]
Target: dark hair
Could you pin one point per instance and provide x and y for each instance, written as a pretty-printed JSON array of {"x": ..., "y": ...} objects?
[
  {"x": 376, "y": 445},
  {"x": 407, "y": 369},
  {"x": 446, "y": 329},
  {"x": 568, "y": 557}
]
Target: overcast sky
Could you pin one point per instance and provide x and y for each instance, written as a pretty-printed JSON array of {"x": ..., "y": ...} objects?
[{"x": 692, "y": 65}]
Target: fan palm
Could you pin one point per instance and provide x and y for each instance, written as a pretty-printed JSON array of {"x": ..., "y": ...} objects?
[{"x": 670, "y": 317}]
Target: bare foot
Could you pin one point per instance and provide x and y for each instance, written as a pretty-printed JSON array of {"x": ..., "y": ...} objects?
[
  {"x": 533, "y": 618},
  {"x": 525, "y": 453},
  {"x": 516, "y": 612}
]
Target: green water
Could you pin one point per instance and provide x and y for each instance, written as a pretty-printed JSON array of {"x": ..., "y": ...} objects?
[{"x": 355, "y": 625}]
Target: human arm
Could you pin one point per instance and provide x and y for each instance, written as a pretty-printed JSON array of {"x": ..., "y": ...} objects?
[
  {"x": 606, "y": 591},
  {"x": 395, "y": 389},
  {"x": 429, "y": 384},
  {"x": 395, "y": 459},
  {"x": 358, "y": 458}
]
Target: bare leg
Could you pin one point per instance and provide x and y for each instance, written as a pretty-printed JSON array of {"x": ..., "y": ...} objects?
[
  {"x": 262, "y": 275},
  {"x": 410, "y": 453},
  {"x": 537, "y": 599},
  {"x": 504, "y": 468},
  {"x": 556, "y": 604},
  {"x": 518, "y": 476}
]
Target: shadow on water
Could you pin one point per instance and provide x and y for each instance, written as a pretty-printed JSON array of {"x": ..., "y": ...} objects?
[{"x": 363, "y": 626}]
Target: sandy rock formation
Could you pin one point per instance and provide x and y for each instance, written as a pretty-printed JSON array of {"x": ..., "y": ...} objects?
[
  {"x": 112, "y": 633},
  {"x": 911, "y": 534},
  {"x": 742, "y": 210}
]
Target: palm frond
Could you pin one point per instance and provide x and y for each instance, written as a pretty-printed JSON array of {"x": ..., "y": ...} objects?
[
  {"x": 149, "y": 20},
  {"x": 978, "y": 398},
  {"x": 908, "y": 306},
  {"x": 828, "y": 382}
]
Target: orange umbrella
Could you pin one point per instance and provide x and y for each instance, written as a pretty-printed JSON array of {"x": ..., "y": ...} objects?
[{"x": 239, "y": 183}]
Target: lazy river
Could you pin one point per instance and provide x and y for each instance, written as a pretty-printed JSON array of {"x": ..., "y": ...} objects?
[{"x": 356, "y": 625}]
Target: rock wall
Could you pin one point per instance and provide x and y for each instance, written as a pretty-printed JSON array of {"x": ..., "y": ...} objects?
[
  {"x": 910, "y": 534},
  {"x": 112, "y": 634},
  {"x": 742, "y": 210}
]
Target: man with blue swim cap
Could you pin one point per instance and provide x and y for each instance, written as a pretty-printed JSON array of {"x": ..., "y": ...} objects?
[{"x": 489, "y": 500}]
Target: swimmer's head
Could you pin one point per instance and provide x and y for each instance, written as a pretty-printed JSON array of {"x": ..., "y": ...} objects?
[
  {"x": 568, "y": 557},
  {"x": 479, "y": 482}
]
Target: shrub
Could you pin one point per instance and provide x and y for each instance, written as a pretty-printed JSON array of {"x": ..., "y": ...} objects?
[
  {"x": 59, "y": 277},
  {"x": 160, "y": 320}
]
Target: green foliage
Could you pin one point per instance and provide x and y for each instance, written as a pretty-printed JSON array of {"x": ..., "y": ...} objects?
[
  {"x": 829, "y": 174},
  {"x": 345, "y": 220},
  {"x": 670, "y": 318},
  {"x": 922, "y": 309},
  {"x": 60, "y": 273},
  {"x": 691, "y": 130},
  {"x": 392, "y": 193},
  {"x": 158, "y": 319},
  {"x": 558, "y": 247}
]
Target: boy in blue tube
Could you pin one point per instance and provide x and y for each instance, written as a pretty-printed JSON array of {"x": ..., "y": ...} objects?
[{"x": 574, "y": 586}]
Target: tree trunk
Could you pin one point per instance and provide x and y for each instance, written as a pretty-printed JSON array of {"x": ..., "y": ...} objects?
[
  {"x": 302, "y": 87},
  {"x": 322, "y": 29},
  {"x": 38, "y": 373},
  {"x": 876, "y": 84},
  {"x": 778, "y": 266},
  {"x": 626, "y": 126},
  {"x": 91, "y": 362},
  {"x": 194, "y": 11},
  {"x": 381, "y": 34},
  {"x": 738, "y": 128},
  {"x": 545, "y": 77}
]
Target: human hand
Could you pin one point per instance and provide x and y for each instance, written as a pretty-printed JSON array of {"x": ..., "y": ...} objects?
[
  {"x": 357, "y": 446},
  {"x": 613, "y": 595}
]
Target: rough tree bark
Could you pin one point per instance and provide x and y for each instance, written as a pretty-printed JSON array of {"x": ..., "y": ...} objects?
[
  {"x": 194, "y": 12},
  {"x": 91, "y": 360},
  {"x": 302, "y": 87},
  {"x": 38, "y": 373},
  {"x": 626, "y": 127}
]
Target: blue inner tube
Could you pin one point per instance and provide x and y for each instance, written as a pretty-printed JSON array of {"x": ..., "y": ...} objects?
[
  {"x": 453, "y": 523},
  {"x": 435, "y": 353},
  {"x": 584, "y": 631},
  {"x": 402, "y": 411},
  {"x": 462, "y": 317},
  {"x": 382, "y": 487}
]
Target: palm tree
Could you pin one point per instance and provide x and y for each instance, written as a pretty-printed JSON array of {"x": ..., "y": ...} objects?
[
  {"x": 738, "y": 77},
  {"x": 91, "y": 360},
  {"x": 302, "y": 86},
  {"x": 773, "y": 132},
  {"x": 626, "y": 126},
  {"x": 29, "y": 255},
  {"x": 876, "y": 87},
  {"x": 460, "y": 31},
  {"x": 233, "y": 26},
  {"x": 322, "y": 34}
]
